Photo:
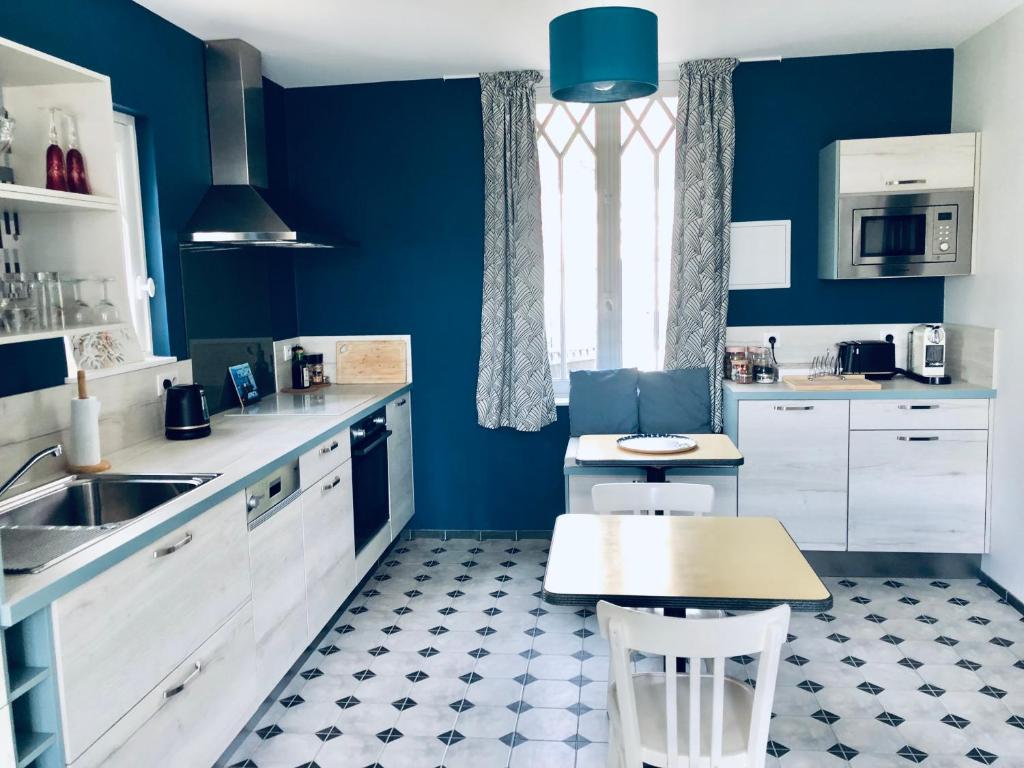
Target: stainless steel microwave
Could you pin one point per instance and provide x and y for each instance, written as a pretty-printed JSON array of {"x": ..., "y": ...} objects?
[{"x": 899, "y": 234}]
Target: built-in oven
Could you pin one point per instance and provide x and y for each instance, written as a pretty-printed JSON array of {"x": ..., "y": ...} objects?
[
  {"x": 905, "y": 234},
  {"x": 370, "y": 501},
  {"x": 268, "y": 495}
]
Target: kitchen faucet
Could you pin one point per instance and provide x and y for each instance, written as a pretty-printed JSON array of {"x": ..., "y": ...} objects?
[{"x": 53, "y": 450}]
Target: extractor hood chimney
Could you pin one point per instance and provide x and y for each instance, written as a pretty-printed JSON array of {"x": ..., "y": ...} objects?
[{"x": 235, "y": 211}]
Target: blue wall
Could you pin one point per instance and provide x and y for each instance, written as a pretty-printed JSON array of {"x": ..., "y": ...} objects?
[
  {"x": 156, "y": 72},
  {"x": 398, "y": 167},
  {"x": 785, "y": 112}
]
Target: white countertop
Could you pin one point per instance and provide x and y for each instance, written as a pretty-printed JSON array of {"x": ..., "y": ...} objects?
[
  {"x": 240, "y": 449},
  {"x": 899, "y": 386}
]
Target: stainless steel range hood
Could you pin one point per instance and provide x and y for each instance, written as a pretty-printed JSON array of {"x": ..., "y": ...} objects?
[{"x": 235, "y": 211}]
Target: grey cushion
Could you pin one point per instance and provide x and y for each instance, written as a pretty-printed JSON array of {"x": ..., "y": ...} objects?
[
  {"x": 603, "y": 402},
  {"x": 675, "y": 401}
]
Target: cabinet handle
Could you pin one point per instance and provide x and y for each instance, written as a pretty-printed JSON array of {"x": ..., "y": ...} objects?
[
  {"x": 165, "y": 551},
  {"x": 905, "y": 407},
  {"x": 400, "y": 402},
  {"x": 904, "y": 182},
  {"x": 329, "y": 448},
  {"x": 916, "y": 439},
  {"x": 332, "y": 485},
  {"x": 175, "y": 690},
  {"x": 794, "y": 407}
]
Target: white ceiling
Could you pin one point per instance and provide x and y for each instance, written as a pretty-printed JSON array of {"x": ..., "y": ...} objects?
[{"x": 325, "y": 42}]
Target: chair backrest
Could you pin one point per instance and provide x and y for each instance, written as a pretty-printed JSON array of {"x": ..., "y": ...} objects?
[
  {"x": 645, "y": 498},
  {"x": 629, "y": 630}
]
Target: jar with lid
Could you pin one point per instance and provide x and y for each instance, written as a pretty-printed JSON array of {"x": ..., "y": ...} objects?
[
  {"x": 741, "y": 372},
  {"x": 316, "y": 369},
  {"x": 731, "y": 355},
  {"x": 762, "y": 364}
]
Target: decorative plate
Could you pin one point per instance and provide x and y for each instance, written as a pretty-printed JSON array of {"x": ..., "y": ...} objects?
[{"x": 657, "y": 443}]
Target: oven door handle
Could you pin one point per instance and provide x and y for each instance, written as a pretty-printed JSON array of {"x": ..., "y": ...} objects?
[{"x": 364, "y": 450}]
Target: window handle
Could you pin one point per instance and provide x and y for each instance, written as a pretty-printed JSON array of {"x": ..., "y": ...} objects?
[{"x": 145, "y": 287}]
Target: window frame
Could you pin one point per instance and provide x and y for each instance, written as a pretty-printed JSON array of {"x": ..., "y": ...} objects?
[
  {"x": 608, "y": 155},
  {"x": 138, "y": 284}
]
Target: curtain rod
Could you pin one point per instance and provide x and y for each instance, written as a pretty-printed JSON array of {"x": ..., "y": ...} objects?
[{"x": 742, "y": 60}]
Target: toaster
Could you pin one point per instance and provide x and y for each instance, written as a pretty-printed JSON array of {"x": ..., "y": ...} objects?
[
  {"x": 187, "y": 416},
  {"x": 872, "y": 358}
]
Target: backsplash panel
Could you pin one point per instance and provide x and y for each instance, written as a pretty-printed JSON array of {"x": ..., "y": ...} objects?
[{"x": 131, "y": 412}]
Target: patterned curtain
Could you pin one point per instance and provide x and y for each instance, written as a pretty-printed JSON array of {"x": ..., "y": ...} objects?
[
  {"x": 514, "y": 386},
  {"x": 699, "y": 288}
]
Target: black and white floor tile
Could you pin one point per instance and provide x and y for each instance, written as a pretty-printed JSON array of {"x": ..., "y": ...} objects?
[{"x": 449, "y": 657}]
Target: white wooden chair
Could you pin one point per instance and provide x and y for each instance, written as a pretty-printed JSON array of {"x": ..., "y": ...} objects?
[
  {"x": 645, "y": 498},
  {"x": 716, "y": 721}
]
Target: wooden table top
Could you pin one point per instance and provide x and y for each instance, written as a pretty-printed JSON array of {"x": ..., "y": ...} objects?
[
  {"x": 727, "y": 563},
  {"x": 711, "y": 451}
]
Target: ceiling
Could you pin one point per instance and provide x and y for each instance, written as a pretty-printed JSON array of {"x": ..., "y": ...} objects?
[{"x": 326, "y": 42}]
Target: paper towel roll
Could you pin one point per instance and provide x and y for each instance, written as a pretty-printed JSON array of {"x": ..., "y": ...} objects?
[{"x": 84, "y": 445}]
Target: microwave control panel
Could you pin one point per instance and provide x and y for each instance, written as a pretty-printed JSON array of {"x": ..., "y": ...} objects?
[{"x": 944, "y": 232}]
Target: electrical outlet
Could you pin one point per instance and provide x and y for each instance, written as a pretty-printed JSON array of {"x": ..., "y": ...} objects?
[
  {"x": 766, "y": 338},
  {"x": 165, "y": 381},
  {"x": 286, "y": 353},
  {"x": 887, "y": 335}
]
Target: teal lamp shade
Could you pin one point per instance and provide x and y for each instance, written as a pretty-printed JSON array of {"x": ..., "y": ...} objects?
[{"x": 604, "y": 54}]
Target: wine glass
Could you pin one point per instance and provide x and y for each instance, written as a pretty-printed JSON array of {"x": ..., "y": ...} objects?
[
  {"x": 105, "y": 310},
  {"x": 79, "y": 313}
]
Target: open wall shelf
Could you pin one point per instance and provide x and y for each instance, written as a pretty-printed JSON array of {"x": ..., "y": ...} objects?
[{"x": 23, "y": 199}]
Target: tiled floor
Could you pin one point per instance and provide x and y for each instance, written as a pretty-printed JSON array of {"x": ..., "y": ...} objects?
[{"x": 449, "y": 657}]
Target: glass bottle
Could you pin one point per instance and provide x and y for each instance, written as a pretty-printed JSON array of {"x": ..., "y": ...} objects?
[
  {"x": 56, "y": 173},
  {"x": 762, "y": 365},
  {"x": 77, "y": 181}
]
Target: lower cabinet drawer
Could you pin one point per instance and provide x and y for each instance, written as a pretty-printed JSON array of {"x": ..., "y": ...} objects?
[
  {"x": 278, "y": 594},
  {"x": 330, "y": 555},
  {"x": 118, "y": 635},
  {"x": 919, "y": 414},
  {"x": 918, "y": 491},
  {"x": 318, "y": 461},
  {"x": 192, "y": 715}
]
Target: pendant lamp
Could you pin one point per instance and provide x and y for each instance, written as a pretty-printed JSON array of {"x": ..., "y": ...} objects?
[{"x": 604, "y": 54}]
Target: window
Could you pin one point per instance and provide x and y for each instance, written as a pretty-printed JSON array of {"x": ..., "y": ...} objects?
[
  {"x": 129, "y": 192},
  {"x": 607, "y": 180}
]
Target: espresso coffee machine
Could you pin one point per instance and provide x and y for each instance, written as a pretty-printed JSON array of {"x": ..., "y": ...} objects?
[{"x": 926, "y": 354}]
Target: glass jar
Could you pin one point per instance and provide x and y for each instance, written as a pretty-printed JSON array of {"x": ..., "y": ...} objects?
[
  {"x": 741, "y": 372},
  {"x": 762, "y": 365},
  {"x": 731, "y": 354},
  {"x": 316, "y": 368}
]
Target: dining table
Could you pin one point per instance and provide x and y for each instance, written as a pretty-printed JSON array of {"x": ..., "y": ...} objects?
[
  {"x": 680, "y": 562},
  {"x": 711, "y": 450}
]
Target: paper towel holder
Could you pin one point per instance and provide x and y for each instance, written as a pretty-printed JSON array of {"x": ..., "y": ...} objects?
[{"x": 103, "y": 465}]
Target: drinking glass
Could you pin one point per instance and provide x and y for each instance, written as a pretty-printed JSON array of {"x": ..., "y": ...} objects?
[
  {"x": 106, "y": 312},
  {"x": 78, "y": 313}
]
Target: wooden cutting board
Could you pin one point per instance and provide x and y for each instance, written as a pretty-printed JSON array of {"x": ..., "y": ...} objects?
[
  {"x": 371, "y": 362},
  {"x": 850, "y": 383}
]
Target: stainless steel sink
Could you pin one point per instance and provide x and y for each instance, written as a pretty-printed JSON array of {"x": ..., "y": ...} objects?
[{"x": 43, "y": 526}]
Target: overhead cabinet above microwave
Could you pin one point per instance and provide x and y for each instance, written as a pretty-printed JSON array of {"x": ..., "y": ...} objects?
[{"x": 896, "y": 207}]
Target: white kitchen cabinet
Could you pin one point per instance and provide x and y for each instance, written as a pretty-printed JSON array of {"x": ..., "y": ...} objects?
[
  {"x": 918, "y": 491},
  {"x": 278, "y": 593},
  {"x": 795, "y": 467},
  {"x": 907, "y": 163},
  {"x": 580, "y": 485},
  {"x": 919, "y": 414},
  {"x": 7, "y": 748},
  {"x": 327, "y": 456},
  {"x": 400, "y": 476},
  {"x": 330, "y": 557},
  {"x": 118, "y": 635},
  {"x": 188, "y": 718}
]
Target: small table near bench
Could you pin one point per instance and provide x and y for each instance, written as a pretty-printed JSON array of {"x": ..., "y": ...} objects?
[{"x": 593, "y": 459}]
